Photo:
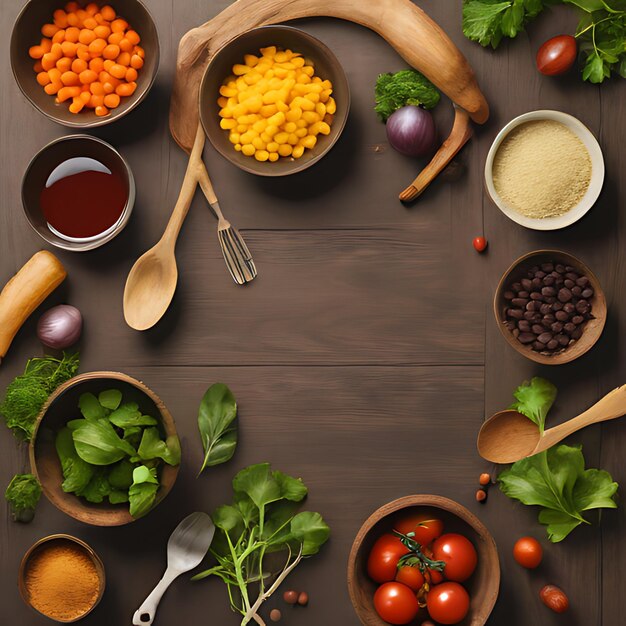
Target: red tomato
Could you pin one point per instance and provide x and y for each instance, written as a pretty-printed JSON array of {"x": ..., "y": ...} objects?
[
  {"x": 383, "y": 559},
  {"x": 435, "y": 576},
  {"x": 557, "y": 55},
  {"x": 480, "y": 244},
  {"x": 425, "y": 527},
  {"x": 528, "y": 552},
  {"x": 459, "y": 555},
  {"x": 396, "y": 603},
  {"x": 411, "y": 577},
  {"x": 447, "y": 603}
]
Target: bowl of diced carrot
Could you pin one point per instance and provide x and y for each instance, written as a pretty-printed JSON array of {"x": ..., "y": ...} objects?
[
  {"x": 274, "y": 100},
  {"x": 84, "y": 64}
]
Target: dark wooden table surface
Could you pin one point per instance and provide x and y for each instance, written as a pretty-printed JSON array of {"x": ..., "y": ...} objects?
[{"x": 365, "y": 355}]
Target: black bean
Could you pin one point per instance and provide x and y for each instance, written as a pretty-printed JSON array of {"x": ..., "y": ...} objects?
[
  {"x": 565, "y": 295},
  {"x": 547, "y": 267},
  {"x": 523, "y": 294},
  {"x": 548, "y": 281},
  {"x": 556, "y": 306},
  {"x": 524, "y": 326},
  {"x": 583, "y": 307},
  {"x": 552, "y": 344},
  {"x": 545, "y": 308},
  {"x": 535, "y": 295},
  {"x": 544, "y": 337},
  {"x": 549, "y": 299},
  {"x": 587, "y": 293},
  {"x": 560, "y": 268},
  {"x": 515, "y": 313},
  {"x": 546, "y": 323},
  {"x": 578, "y": 333},
  {"x": 516, "y": 287},
  {"x": 562, "y": 316},
  {"x": 562, "y": 339},
  {"x": 526, "y": 284},
  {"x": 583, "y": 281},
  {"x": 536, "y": 282},
  {"x": 576, "y": 290},
  {"x": 509, "y": 324},
  {"x": 572, "y": 275},
  {"x": 529, "y": 315},
  {"x": 520, "y": 302},
  {"x": 509, "y": 295},
  {"x": 569, "y": 328},
  {"x": 539, "y": 274},
  {"x": 537, "y": 329},
  {"x": 549, "y": 317},
  {"x": 526, "y": 337},
  {"x": 578, "y": 319},
  {"x": 556, "y": 275},
  {"x": 548, "y": 291},
  {"x": 530, "y": 306},
  {"x": 569, "y": 268},
  {"x": 568, "y": 283},
  {"x": 569, "y": 308},
  {"x": 556, "y": 327}
]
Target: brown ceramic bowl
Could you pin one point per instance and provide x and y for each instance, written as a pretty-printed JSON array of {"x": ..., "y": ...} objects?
[
  {"x": 593, "y": 327},
  {"x": 482, "y": 587},
  {"x": 61, "y": 407},
  {"x": 326, "y": 66},
  {"x": 51, "y": 156},
  {"x": 61, "y": 539},
  {"x": 27, "y": 33}
]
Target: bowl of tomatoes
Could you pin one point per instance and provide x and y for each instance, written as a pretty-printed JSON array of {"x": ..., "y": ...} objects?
[{"x": 423, "y": 557}]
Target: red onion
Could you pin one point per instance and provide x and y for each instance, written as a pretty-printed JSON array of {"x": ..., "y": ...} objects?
[
  {"x": 60, "y": 327},
  {"x": 411, "y": 131}
]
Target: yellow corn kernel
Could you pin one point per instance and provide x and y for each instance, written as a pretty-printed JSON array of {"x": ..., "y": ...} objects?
[
  {"x": 326, "y": 93},
  {"x": 240, "y": 83},
  {"x": 316, "y": 79},
  {"x": 303, "y": 78},
  {"x": 261, "y": 155},
  {"x": 228, "y": 124},
  {"x": 250, "y": 60},
  {"x": 272, "y": 146},
  {"x": 278, "y": 119},
  {"x": 311, "y": 117},
  {"x": 232, "y": 102},
  {"x": 280, "y": 72},
  {"x": 227, "y": 92},
  {"x": 269, "y": 74},
  {"x": 320, "y": 109},
  {"x": 273, "y": 157},
  {"x": 267, "y": 110},
  {"x": 314, "y": 129},
  {"x": 241, "y": 128},
  {"x": 280, "y": 57},
  {"x": 331, "y": 107},
  {"x": 222, "y": 102},
  {"x": 282, "y": 107},
  {"x": 258, "y": 143},
  {"x": 266, "y": 138},
  {"x": 306, "y": 104},
  {"x": 248, "y": 149},
  {"x": 301, "y": 88},
  {"x": 290, "y": 127},
  {"x": 281, "y": 138},
  {"x": 315, "y": 88},
  {"x": 297, "y": 62},
  {"x": 313, "y": 97},
  {"x": 251, "y": 78},
  {"x": 302, "y": 123},
  {"x": 226, "y": 112},
  {"x": 234, "y": 137},
  {"x": 309, "y": 142},
  {"x": 309, "y": 70},
  {"x": 293, "y": 139},
  {"x": 240, "y": 70},
  {"x": 270, "y": 97},
  {"x": 285, "y": 150},
  {"x": 297, "y": 152},
  {"x": 326, "y": 84},
  {"x": 270, "y": 51},
  {"x": 239, "y": 110},
  {"x": 259, "y": 126},
  {"x": 324, "y": 128},
  {"x": 271, "y": 130},
  {"x": 263, "y": 66},
  {"x": 238, "y": 147},
  {"x": 302, "y": 132},
  {"x": 294, "y": 114},
  {"x": 247, "y": 137}
]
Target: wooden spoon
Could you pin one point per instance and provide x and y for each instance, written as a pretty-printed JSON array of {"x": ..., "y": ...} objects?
[
  {"x": 509, "y": 436},
  {"x": 151, "y": 283}
]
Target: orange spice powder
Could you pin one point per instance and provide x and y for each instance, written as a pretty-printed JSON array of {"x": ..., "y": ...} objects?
[{"x": 62, "y": 581}]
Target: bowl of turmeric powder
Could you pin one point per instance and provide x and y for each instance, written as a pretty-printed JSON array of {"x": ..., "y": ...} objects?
[
  {"x": 544, "y": 170},
  {"x": 62, "y": 578},
  {"x": 274, "y": 100}
]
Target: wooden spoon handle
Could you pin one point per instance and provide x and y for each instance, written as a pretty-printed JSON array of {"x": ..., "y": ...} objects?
[
  {"x": 613, "y": 405},
  {"x": 187, "y": 191},
  {"x": 459, "y": 136}
]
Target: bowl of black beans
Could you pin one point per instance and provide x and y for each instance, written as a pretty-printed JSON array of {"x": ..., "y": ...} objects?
[{"x": 550, "y": 307}]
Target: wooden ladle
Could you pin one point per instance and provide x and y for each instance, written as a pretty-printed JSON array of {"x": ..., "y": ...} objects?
[{"x": 509, "y": 436}]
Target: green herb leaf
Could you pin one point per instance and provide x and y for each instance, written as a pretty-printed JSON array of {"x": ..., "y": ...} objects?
[
  {"x": 121, "y": 475},
  {"x": 310, "y": 530},
  {"x": 118, "y": 497},
  {"x": 76, "y": 473},
  {"x": 110, "y": 399},
  {"x": 258, "y": 483},
  {"x": 482, "y": 21},
  {"x": 557, "y": 481},
  {"x": 23, "y": 494},
  {"x": 90, "y": 408},
  {"x": 394, "y": 91},
  {"x": 97, "y": 489},
  {"x": 534, "y": 400},
  {"x": 142, "y": 492},
  {"x": 290, "y": 488},
  {"x": 216, "y": 421},
  {"x": 228, "y": 518},
  {"x": 128, "y": 415},
  {"x": 98, "y": 443},
  {"x": 152, "y": 447}
]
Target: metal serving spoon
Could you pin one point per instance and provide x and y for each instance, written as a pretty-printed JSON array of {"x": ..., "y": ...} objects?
[
  {"x": 509, "y": 436},
  {"x": 186, "y": 548}
]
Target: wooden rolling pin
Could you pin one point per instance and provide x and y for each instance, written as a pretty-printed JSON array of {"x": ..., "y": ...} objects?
[
  {"x": 37, "y": 279},
  {"x": 419, "y": 40}
]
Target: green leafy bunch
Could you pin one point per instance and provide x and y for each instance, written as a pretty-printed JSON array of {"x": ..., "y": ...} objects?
[
  {"x": 555, "y": 479},
  {"x": 114, "y": 452},
  {"x": 406, "y": 87},
  {"x": 26, "y": 394},
  {"x": 262, "y": 519},
  {"x": 23, "y": 494},
  {"x": 601, "y": 30}
]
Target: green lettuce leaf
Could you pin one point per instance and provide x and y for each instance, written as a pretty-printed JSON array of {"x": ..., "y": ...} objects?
[{"x": 534, "y": 400}]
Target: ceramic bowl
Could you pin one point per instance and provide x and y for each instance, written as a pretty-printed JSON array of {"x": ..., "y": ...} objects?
[
  {"x": 595, "y": 185},
  {"x": 60, "y": 540},
  {"x": 27, "y": 33},
  {"x": 593, "y": 328},
  {"x": 483, "y": 586},
  {"x": 326, "y": 66},
  {"x": 61, "y": 407},
  {"x": 42, "y": 165}
]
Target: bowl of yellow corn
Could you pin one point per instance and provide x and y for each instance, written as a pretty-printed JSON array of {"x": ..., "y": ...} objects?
[{"x": 274, "y": 100}]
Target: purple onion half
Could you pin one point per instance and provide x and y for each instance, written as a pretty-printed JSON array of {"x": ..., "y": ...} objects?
[
  {"x": 60, "y": 327},
  {"x": 411, "y": 131}
]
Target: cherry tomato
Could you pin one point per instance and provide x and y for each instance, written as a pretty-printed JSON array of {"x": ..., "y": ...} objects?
[
  {"x": 425, "y": 527},
  {"x": 528, "y": 552},
  {"x": 447, "y": 603},
  {"x": 395, "y": 603},
  {"x": 411, "y": 577},
  {"x": 435, "y": 576},
  {"x": 556, "y": 55},
  {"x": 459, "y": 555},
  {"x": 382, "y": 563},
  {"x": 480, "y": 244}
]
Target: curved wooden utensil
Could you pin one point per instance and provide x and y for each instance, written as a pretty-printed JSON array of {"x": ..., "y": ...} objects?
[{"x": 417, "y": 38}]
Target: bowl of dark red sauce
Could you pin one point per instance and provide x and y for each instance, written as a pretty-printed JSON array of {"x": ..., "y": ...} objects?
[{"x": 78, "y": 193}]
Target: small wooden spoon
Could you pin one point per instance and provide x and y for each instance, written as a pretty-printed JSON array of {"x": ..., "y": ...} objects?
[
  {"x": 151, "y": 283},
  {"x": 509, "y": 436}
]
